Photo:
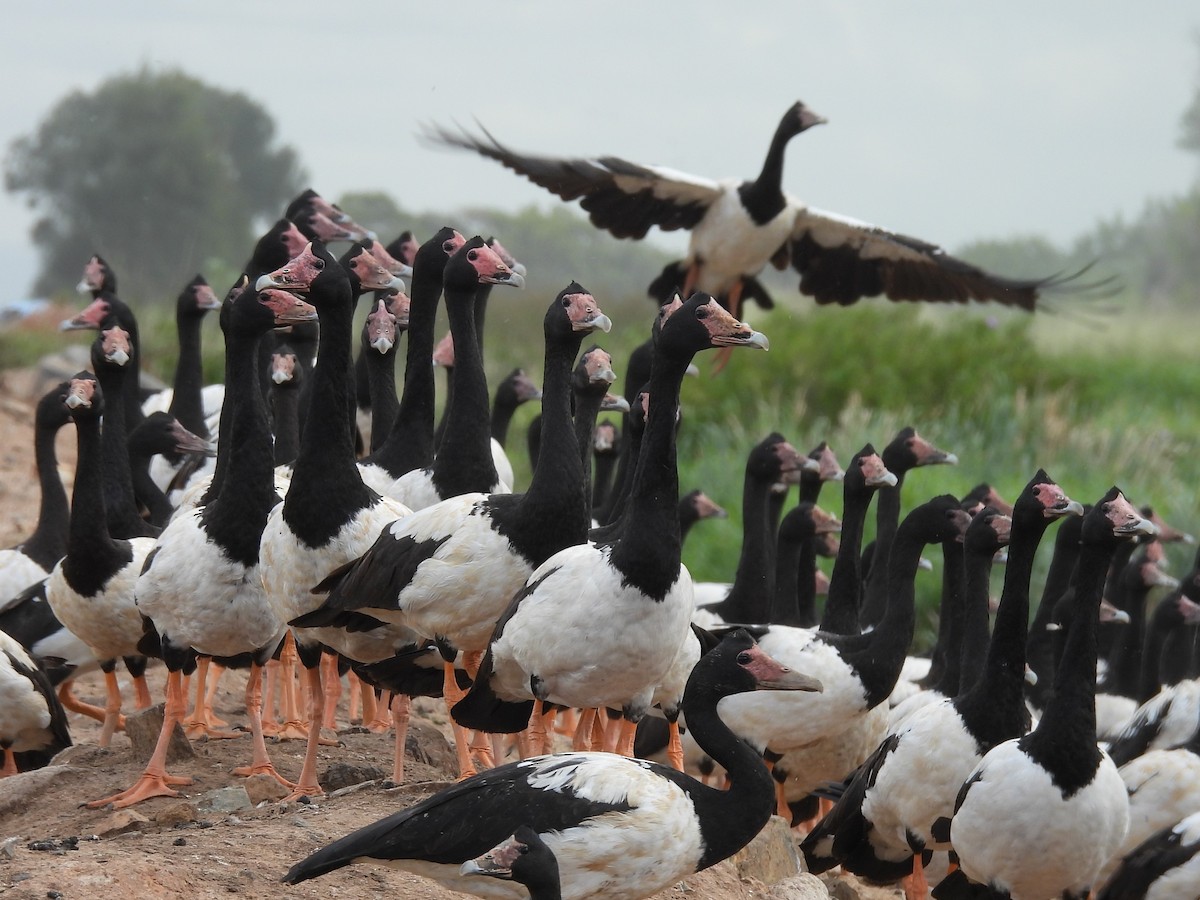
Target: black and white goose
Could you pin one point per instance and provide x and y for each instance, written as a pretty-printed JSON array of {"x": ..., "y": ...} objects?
[
  {"x": 737, "y": 227},
  {"x": 200, "y": 592},
  {"x": 620, "y": 828},
  {"x": 91, "y": 589},
  {"x": 895, "y": 810},
  {"x": 33, "y": 726},
  {"x": 1042, "y": 813},
  {"x": 448, "y": 571},
  {"x": 599, "y": 624},
  {"x": 329, "y": 516},
  {"x": 33, "y": 558}
]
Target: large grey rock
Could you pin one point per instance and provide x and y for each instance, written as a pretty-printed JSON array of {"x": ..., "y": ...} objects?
[
  {"x": 428, "y": 745},
  {"x": 122, "y": 821},
  {"x": 227, "y": 799},
  {"x": 341, "y": 775},
  {"x": 19, "y": 792},
  {"x": 771, "y": 856}
]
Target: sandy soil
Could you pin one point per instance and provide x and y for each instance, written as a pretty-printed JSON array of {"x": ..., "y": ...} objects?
[{"x": 52, "y": 846}]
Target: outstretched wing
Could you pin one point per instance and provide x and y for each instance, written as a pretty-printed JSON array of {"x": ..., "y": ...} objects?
[
  {"x": 621, "y": 197},
  {"x": 841, "y": 260}
]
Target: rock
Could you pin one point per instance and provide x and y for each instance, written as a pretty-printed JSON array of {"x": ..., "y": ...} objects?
[
  {"x": 8, "y": 849},
  {"x": 771, "y": 856},
  {"x": 804, "y": 886},
  {"x": 264, "y": 787},
  {"x": 341, "y": 775},
  {"x": 21, "y": 791},
  {"x": 143, "y": 729},
  {"x": 426, "y": 744},
  {"x": 176, "y": 814},
  {"x": 227, "y": 799},
  {"x": 121, "y": 822}
]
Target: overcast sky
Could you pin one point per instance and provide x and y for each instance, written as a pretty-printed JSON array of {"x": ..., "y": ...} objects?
[{"x": 947, "y": 120}]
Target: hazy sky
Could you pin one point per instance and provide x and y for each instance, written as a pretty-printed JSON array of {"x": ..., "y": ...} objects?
[{"x": 949, "y": 121}]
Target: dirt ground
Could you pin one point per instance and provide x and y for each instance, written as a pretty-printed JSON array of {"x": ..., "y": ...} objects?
[{"x": 52, "y": 846}]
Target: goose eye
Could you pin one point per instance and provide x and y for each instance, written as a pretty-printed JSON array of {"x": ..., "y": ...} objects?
[
  {"x": 448, "y": 247},
  {"x": 702, "y": 312},
  {"x": 523, "y": 850},
  {"x": 566, "y": 301},
  {"x": 318, "y": 263},
  {"x": 743, "y": 658},
  {"x": 473, "y": 255}
]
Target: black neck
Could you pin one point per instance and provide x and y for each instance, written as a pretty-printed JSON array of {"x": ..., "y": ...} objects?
[
  {"x": 326, "y": 490},
  {"x": 187, "y": 405},
  {"x": 648, "y": 551},
  {"x": 622, "y": 484},
  {"x": 841, "y": 605},
  {"x": 1125, "y": 660},
  {"x": 464, "y": 459},
  {"x": 409, "y": 445},
  {"x": 763, "y": 197},
  {"x": 969, "y": 655},
  {"x": 1109, "y": 635},
  {"x": 235, "y": 520},
  {"x": 1064, "y": 742},
  {"x": 587, "y": 410},
  {"x": 1039, "y": 644},
  {"x": 48, "y": 543},
  {"x": 750, "y": 598},
  {"x": 147, "y": 491},
  {"x": 994, "y": 708},
  {"x": 92, "y": 555},
  {"x": 479, "y": 313},
  {"x": 381, "y": 384},
  {"x": 285, "y": 418},
  {"x": 795, "y": 588},
  {"x": 887, "y": 520},
  {"x": 124, "y": 520},
  {"x": 952, "y": 611},
  {"x": 729, "y": 818},
  {"x": 503, "y": 408},
  {"x": 1165, "y": 622}
]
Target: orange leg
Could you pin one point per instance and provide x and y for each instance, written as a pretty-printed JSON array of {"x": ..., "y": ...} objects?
[
  {"x": 270, "y": 724},
  {"x": 599, "y": 730},
  {"x": 155, "y": 782},
  {"x": 293, "y": 727},
  {"x": 567, "y": 722},
  {"x": 354, "y": 706},
  {"x": 628, "y": 731},
  {"x": 674, "y": 747},
  {"x": 307, "y": 786},
  {"x": 612, "y": 731},
  {"x": 67, "y": 698},
  {"x": 378, "y": 720},
  {"x": 10, "y": 764},
  {"x": 197, "y": 725},
  {"x": 261, "y": 763},
  {"x": 333, "y": 690},
  {"x": 215, "y": 669},
  {"x": 112, "y": 708},
  {"x": 583, "y": 730},
  {"x": 452, "y": 693},
  {"x": 141, "y": 693},
  {"x": 690, "y": 279},
  {"x": 538, "y": 739},
  {"x": 401, "y": 713},
  {"x": 916, "y": 886}
]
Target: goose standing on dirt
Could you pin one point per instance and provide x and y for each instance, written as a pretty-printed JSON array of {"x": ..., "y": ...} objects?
[
  {"x": 91, "y": 589},
  {"x": 1041, "y": 814},
  {"x": 200, "y": 592},
  {"x": 599, "y": 624},
  {"x": 737, "y": 227},
  {"x": 621, "y": 829}
]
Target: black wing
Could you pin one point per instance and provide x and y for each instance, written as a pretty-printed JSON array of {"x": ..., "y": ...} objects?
[
  {"x": 621, "y": 197},
  {"x": 842, "y": 260}
]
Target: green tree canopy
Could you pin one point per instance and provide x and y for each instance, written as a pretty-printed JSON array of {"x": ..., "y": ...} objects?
[{"x": 157, "y": 172}]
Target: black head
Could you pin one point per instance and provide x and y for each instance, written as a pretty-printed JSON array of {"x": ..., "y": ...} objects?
[
  {"x": 161, "y": 432},
  {"x": 700, "y": 323},
  {"x": 908, "y": 450},
  {"x": 281, "y": 242},
  {"x": 1042, "y": 501},
  {"x": 593, "y": 374},
  {"x": 313, "y": 272},
  {"x": 51, "y": 414},
  {"x": 799, "y": 118},
  {"x": 517, "y": 388},
  {"x": 475, "y": 263},
  {"x": 988, "y": 532},
  {"x": 867, "y": 472},
  {"x": 1114, "y": 519},
  {"x": 939, "y": 520},
  {"x": 112, "y": 349},
  {"x": 436, "y": 252},
  {"x": 404, "y": 248},
  {"x": 196, "y": 299},
  {"x": 738, "y": 665},
  {"x": 83, "y": 398},
  {"x": 774, "y": 460}
]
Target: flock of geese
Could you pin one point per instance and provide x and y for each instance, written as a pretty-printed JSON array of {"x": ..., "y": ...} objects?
[{"x": 338, "y": 526}]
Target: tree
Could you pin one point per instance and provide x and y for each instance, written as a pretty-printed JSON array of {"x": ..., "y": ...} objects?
[{"x": 157, "y": 172}]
